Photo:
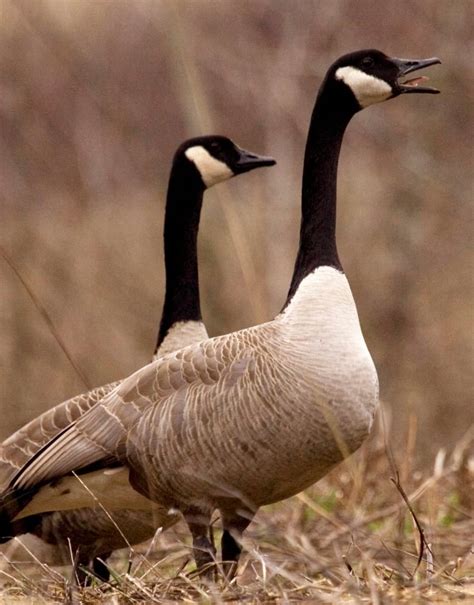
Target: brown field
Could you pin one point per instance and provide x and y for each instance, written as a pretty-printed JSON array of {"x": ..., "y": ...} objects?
[{"x": 95, "y": 95}]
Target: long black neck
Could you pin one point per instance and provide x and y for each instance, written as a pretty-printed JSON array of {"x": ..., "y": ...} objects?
[
  {"x": 182, "y": 215},
  {"x": 331, "y": 114}
]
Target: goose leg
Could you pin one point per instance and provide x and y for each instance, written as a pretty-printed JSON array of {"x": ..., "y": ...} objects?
[
  {"x": 203, "y": 550},
  {"x": 81, "y": 563},
  {"x": 231, "y": 545},
  {"x": 100, "y": 569},
  {"x": 82, "y": 578}
]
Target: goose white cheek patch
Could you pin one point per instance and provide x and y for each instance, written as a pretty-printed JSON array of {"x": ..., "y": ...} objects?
[
  {"x": 212, "y": 171},
  {"x": 367, "y": 89}
]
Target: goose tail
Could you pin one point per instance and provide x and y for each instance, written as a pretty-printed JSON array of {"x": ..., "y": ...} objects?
[{"x": 11, "y": 504}]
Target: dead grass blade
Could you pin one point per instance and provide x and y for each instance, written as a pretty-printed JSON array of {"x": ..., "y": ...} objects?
[
  {"x": 45, "y": 316},
  {"x": 423, "y": 542}
]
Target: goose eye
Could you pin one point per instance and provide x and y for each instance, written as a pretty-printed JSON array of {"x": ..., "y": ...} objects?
[{"x": 367, "y": 61}]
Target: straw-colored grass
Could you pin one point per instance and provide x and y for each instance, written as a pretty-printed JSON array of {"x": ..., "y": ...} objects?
[{"x": 350, "y": 539}]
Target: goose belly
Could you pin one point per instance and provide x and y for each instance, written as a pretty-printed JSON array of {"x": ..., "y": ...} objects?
[
  {"x": 257, "y": 447},
  {"x": 298, "y": 456},
  {"x": 287, "y": 453},
  {"x": 96, "y": 530}
]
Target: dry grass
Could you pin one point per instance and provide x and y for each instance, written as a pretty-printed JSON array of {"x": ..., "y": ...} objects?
[{"x": 350, "y": 539}]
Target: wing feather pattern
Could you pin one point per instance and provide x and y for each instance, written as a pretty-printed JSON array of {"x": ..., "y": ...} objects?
[
  {"x": 100, "y": 435},
  {"x": 27, "y": 441}
]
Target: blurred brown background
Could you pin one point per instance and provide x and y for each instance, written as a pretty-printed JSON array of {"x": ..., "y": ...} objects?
[{"x": 94, "y": 98}]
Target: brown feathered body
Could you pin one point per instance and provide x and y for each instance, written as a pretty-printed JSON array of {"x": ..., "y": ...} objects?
[
  {"x": 253, "y": 417},
  {"x": 237, "y": 421}
]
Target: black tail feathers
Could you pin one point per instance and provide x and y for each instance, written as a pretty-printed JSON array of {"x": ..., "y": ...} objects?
[{"x": 11, "y": 503}]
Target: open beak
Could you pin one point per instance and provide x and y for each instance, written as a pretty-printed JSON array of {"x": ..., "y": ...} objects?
[
  {"x": 407, "y": 66},
  {"x": 248, "y": 161}
]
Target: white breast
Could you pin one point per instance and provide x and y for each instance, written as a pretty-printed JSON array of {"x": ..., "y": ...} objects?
[{"x": 326, "y": 339}]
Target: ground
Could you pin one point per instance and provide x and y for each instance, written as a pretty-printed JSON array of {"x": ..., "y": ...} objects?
[{"x": 349, "y": 539}]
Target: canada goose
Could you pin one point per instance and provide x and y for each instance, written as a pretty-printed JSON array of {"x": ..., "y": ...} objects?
[
  {"x": 255, "y": 416},
  {"x": 198, "y": 164}
]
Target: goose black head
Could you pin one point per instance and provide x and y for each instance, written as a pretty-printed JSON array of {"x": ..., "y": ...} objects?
[
  {"x": 217, "y": 158},
  {"x": 373, "y": 77}
]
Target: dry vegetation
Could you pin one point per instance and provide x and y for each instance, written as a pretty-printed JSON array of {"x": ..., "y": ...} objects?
[
  {"x": 94, "y": 97},
  {"x": 350, "y": 539}
]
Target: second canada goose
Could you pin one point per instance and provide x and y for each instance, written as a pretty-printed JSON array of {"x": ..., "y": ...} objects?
[
  {"x": 255, "y": 416},
  {"x": 198, "y": 164}
]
